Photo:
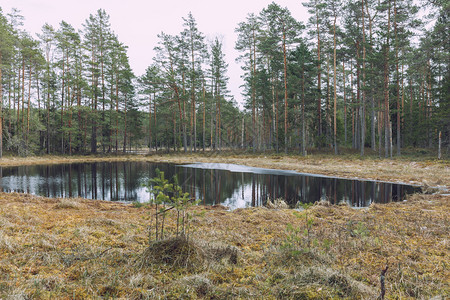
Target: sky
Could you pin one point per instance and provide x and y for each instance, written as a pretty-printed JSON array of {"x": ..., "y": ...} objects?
[{"x": 137, "y": 23}]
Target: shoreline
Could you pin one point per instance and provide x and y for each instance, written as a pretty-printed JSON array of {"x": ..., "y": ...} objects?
[{"x": 427, "y": 174}]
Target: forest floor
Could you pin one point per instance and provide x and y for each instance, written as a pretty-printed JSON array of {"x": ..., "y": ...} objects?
[{"x": 77, "y": 248}]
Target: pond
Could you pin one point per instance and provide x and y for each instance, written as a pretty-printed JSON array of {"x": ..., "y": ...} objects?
[{"x": 234, "y": 186}]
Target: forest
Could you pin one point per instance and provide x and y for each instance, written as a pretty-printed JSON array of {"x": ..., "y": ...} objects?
[
  {"x": 366, "y": 75},
  {"x": 326, "y": 178}
]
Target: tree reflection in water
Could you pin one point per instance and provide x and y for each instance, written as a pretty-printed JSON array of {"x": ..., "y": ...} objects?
[{"x": 212, "y": 183}]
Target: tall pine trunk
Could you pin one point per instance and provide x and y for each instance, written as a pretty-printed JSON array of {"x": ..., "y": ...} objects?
[
  {"x": 386, "y": 88},
  {"x": 303, "y": 115},
  {"x": 1, "y": 108},
  {"x": 253, "y": 66},
  {"x": 28, "y": 107},
  {"x": 334, "y": 87},
  {"x": 397, "y": 86},
  {"x": 363, "y": 100},
  {"x": 345, "y": 103},
  {"x": 285, "y": 90},
  {"x": 319, "y": 100},
  {"x": 204, "y": 116},
  {"x": 125, "y": 127}
]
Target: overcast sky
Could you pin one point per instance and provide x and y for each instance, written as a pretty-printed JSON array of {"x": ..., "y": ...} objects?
[{"x": 137, "y": 23}]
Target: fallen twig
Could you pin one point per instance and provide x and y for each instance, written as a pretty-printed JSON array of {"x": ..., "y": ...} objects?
[{"x": 382, "y": 277}]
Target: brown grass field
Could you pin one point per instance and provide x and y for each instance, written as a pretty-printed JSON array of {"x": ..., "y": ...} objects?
[{"x": 84, "y": 249}]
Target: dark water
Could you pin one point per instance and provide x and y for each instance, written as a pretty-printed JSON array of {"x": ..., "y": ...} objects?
[{"x": 230, "y": 185}]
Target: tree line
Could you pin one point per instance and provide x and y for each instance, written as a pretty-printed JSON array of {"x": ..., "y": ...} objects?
[{"x": 364, "y": 74}]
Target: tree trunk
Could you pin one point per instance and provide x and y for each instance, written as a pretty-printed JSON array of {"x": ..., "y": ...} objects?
[
  {"x": 62, "y": 101},
  {"x": 193, "y": 114},
  {"x": 102, "y": 125},
  {"x": 211, "y": 124},
  {"x": 372, "y": 100},
  {"x": 334, "y": 87},
  {"x": 319, "y": 100},
  {"x": 150, "y": 123},
  {"x": 94, "y": 107},
  {"x": 219, "y": 133},
  {"x": 9, "y": 100},
  {"x": 48, "y": 106},
  {"x": 216, "y": 117},
  {"x": 242, "y": 136},
  {"x": 327, "y": 105},
  {"x": 397, "y": 80},
  {"x": 353, "y": 104},
  {"x": 204, "y": 116},
  {"x": 285, "y": 90},
  {"x": 182, "y": 111},
  {"x": 386, "y": 88},
  {"x": 28, "y": 107},
  {"x": 276, "y": 119},
  {"x": 1, "y": 108},
  {"x": 303, "y": 115},
  {"x": 253, "y": 66},
  {"x": 117, "y": 112},
  {"x": 345, "y": 103},
  {"x": 125, "y": 128},
  {"x": 363, "y": 100},
  {"x": 23, "y": 95}
]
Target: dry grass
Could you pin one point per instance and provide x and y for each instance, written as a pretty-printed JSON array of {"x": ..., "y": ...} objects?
[
  {"x": 94, "y": 249},
  {"x": 176, "y": 252},
  {"x": 65, "y": 203}
]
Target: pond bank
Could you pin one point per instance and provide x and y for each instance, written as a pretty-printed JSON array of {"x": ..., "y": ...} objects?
[
  {"x": 77, "y": 248},
  {"x": 428, "y": 173}
]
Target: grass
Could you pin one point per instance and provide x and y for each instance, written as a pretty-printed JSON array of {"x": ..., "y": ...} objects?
[{"x": 78, "y": 249}]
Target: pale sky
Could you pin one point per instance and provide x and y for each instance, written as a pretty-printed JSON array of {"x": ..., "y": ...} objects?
[{"x": 137, "y": 23}]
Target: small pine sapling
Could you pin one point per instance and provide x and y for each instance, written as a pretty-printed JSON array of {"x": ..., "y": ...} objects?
[{"x": 171, "y": 194}]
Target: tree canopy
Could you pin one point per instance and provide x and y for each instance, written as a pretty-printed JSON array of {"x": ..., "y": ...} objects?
[{"x": 359, "y": 75}]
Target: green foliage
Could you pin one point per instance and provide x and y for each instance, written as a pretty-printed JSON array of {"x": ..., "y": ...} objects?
[
  {"x": 358, "y": 230},
  {"x": 168, "y": 196},
  {"x": 300, "y": 238},
  {"x": 138, "y": 204},
  {"x": 80, "y": 87}
]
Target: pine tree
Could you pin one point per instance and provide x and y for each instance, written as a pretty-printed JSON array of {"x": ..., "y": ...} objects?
[
  {"x": 246, "y": 42},
  {"x": 47, "y": 38},
  {"x": 194, "y": 41},
  {"x": 149, "y": 83},
  {"x": 97, "y": 33},
  {"x": 302, "y": 69},
  {"x": 219, "y": 81},
  {"x": 284, "y": 29},
  {"x": 167, "y": 60},
  {"x": 317, "y": 10},
  {"x": 6, "y": 55}
]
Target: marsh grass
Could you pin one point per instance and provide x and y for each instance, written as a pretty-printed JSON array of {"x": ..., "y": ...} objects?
[
  {"x": 67, "y": 204},
  {"x": 97, "y": 250},
  {"x": 177, "y": 252}
]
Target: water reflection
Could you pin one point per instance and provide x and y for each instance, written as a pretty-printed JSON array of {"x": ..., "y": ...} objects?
[{"x": 123, "y": 181}]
